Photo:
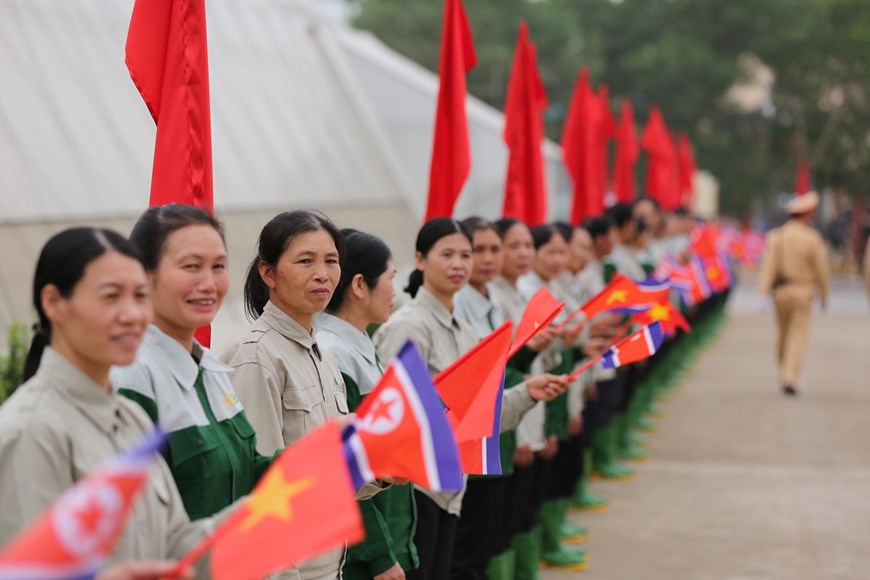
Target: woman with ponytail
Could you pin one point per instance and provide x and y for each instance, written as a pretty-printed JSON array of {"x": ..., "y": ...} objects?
[
  {"x": 485, "y": 534},
  {"x": 443, "y": 266},
  {"x": 287, "y": 384},
  {"x": 91, "y": 295},
  {"x": 364, "y": 296}
]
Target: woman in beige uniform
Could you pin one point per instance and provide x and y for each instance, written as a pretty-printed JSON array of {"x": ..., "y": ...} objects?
[
  {"x": 443, "y": 263},
  {"x": 287, "y": 384},
  {"x": 443, "y": 260},
  {"x": 91, "y": 296}
]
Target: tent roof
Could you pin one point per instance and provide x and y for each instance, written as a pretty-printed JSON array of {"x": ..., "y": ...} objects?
[{"x": 76, "y": 140}]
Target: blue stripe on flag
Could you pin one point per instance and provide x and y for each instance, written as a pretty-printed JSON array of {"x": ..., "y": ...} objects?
[
  {"x": 350, "y": 456},
  {"x": 446, "y": 454}
]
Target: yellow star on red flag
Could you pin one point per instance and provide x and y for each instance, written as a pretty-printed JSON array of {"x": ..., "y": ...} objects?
[
  {"x": 617, "y": 296},
  {"x": 274, "y": 498}
]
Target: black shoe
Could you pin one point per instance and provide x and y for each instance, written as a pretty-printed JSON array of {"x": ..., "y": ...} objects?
[{"x": 789, "y": 391}]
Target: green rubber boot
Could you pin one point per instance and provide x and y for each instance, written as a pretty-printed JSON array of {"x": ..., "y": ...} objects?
[
  {"x": 624, "y": 443},
  {"x": 553, "y": 553},
  {"x": 527, "y": 554},
  {"x": 584, "y": 499},
  {"x": 573, "y": 533},
  {"x": 639, "y": 439},
  {"x": 606, "y": 464},
  {"x": 501, "y": 566}
]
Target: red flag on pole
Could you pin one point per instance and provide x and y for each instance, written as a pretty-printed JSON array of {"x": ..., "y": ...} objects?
[
  {"x": 167, "y": 56},
  {"x": 688, "y": 168},
  {"x": 451, "y": 152},
  {"x": 627, "y": 154},
  {"x": 661, "y": 159},
  {"x": 604, "y": 132},
  {"x": 578, "y": 146},
  {"x": 803, "y": 182},
  {"x": 525, "y": 191}
]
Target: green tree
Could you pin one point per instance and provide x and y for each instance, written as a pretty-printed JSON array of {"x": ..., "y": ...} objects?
[{"x": 685, "y": 56}]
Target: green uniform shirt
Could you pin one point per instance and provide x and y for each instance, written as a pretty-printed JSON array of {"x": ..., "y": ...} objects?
[{"x": 211, "y": 449}]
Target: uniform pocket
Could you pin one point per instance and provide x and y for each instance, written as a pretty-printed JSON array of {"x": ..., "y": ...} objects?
[
  {"x": 301, "y": 412},
  {"x": 190, "y": 454}
]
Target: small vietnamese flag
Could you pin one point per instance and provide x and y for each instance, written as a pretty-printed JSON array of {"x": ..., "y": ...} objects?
[
  {"x": 284, "y": 520},
  {"x": 670, "y": 318},
  {"x": 401, "y": 430},
  {"x": 470, "y": 386},
  {"x": 77, "y": 534},
  {"x": 540, "y": 312},
  {"x": 626, "y": 296}
]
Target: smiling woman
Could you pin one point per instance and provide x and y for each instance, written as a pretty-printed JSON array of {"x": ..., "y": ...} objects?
[
  {"x": 287, "y": 384},
  {"x": 179, "y": 382},
  {"x": 91, "y": 294}
]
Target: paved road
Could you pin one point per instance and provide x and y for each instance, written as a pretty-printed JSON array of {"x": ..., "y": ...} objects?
[{"x": 743, "y": 483}]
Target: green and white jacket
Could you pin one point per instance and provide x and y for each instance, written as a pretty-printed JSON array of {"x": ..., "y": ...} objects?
[{"x": 211, "y": 448}]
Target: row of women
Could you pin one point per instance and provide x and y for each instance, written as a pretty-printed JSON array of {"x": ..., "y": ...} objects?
[{"x": 116, "y": 352}]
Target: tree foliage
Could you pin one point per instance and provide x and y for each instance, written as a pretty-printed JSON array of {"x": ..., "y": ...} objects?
[{"x": 685, "y": 56}]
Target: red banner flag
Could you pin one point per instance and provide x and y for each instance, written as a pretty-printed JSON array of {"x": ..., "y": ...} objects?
[
  {"x": 282, "y": 523},
  {"x": 451, "y": 152},
  {"x": 688, "y": 168},
  {"x": 167, "y": 56},
  {"x": 627, "y": 154},
  {"x": 661, "y": 178},
  {"x": 604, "y": 132},
  {"x": 803, "y": 182},
  {"x": 540, "y": 312},
  {"x": 525, "y": 188},
  {"x": 469, "y": 386},
  {"x": 578, "y": 149}
]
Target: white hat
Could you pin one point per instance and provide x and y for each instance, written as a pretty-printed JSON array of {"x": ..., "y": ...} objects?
[{"x": 802, "y": 203}]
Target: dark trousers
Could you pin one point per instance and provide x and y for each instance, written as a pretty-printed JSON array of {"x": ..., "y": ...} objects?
[
  {"x": 436, "y": 530},
  {"x": 477, "y": 529},
  {"x": 567, "y": 469},
  {"x": 521, "y": 485}
]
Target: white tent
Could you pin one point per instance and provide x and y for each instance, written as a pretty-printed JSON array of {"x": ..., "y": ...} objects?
[{"x": 305, "y": 114}]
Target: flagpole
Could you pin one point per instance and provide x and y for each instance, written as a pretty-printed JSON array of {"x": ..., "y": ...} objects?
[{"x": 580, "y": 370}]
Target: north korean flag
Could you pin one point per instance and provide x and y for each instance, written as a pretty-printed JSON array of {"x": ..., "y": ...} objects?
[
  {"x": 76, "y": 535},
  {"x": 637, "y": 346},
  {"x": 402, "y": 430}
]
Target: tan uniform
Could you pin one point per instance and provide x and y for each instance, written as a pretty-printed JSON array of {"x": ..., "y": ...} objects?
[
  {"x": 59, "y": 427},
  {"x": 793, "y": 269},
  {"x": 288, "y": 388}
]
